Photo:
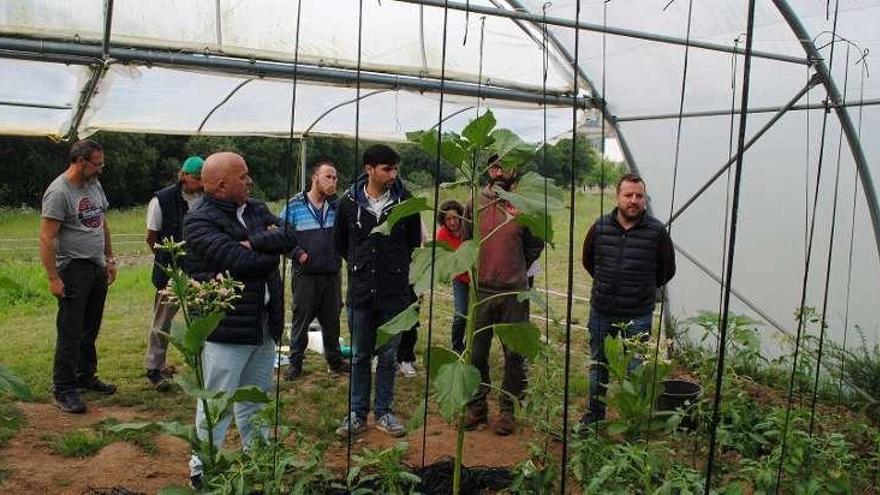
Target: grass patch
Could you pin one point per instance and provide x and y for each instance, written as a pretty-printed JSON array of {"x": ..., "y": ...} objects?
[
  {"x": 11, "y": 420},
  {"x": 77, "y": 443},
  {"x": 143, "y": 439}
]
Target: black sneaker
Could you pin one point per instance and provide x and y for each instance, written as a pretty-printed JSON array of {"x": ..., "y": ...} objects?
[
  {"x": 97, "y": 385},
  {"x": 70, "y": 402},
  {"x": 343, "y": 366},
  {"x": 195, "y": 481},
  {"x": 293, "y": 372},
  {"x": 159, "y": 380}
]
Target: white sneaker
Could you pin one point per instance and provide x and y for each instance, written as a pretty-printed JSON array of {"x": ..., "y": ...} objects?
[{"x": 407, "y": 369}]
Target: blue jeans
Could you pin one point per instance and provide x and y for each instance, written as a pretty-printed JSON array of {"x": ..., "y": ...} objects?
[
  {"x": 602, "y": 325},
  {"x": 364, "y": 324},
  {"x": 459, "y": 320}
]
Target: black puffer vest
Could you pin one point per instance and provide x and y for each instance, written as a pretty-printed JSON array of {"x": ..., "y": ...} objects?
[
  {"x": 173, "y": 208},
  {"x": 625, "y": 270}
]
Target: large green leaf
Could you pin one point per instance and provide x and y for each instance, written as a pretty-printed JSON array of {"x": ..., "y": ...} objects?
[
  {"x": 539, "y": 225},
  {"x": 418, "y": 417},
  {"x": 455, "y": 385},
  {"x": 452, "y": 150},
  {"x": 12, "y": 383},
  {"x": 403, "y": 209},
  {"x": 401, "y": 322},
  {"x": 440, "y": 356},
  {"x": 189, "y": 384},
  {"x": 127, "y": 427},
  {"x": 478, "y": 131},
  {"x": 512, "y": 150},
  {"x": 249, "y": 393},
  {"x": 447, "y": 264},
  {"x": 198, "y": 331},
  {"x": 523, "y": 338},
  {"x": 528, "y": 196}
]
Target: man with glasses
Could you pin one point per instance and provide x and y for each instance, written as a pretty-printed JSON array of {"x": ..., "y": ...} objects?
[
  {"x": 165, "y": 214},
  {"x": 76, "y": 253}
]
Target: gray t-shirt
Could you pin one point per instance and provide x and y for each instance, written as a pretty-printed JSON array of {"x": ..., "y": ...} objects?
[{"x": 81, "y": 212}]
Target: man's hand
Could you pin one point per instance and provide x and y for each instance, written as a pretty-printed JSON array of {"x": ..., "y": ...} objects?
[
  {"x": 303, "y": 258},
  {"x": 56, "y": 287},
  {"x": 247, "y": 244},
  {"x": 110, "y": 269}
]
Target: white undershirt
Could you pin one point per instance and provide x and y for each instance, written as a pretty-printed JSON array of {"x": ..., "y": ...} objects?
[
  {"x": 154, "y": 212},
  {"x": 377, "y": 205}
]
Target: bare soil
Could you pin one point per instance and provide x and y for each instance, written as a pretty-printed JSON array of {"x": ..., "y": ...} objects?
[{"x": 33, "y": 468}]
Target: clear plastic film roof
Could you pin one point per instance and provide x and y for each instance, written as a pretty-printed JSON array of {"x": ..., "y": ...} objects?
[{"x": 639, "y": 65}]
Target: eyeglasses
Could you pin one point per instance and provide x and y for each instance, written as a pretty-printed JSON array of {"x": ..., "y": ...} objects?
[{"x": 99, "y": 165}]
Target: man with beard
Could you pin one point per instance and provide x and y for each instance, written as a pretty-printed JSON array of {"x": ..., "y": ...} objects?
[
  {"x": 78, "y": 258},
  {"x": 629, "y": 255},
  {"x": 165, "y": 214},
  {"x": 506, "y": 251},
  {"x": 316, "y": 283}
]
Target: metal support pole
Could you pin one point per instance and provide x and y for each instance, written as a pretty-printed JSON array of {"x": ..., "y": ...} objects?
[
  {"x": 523, "y": 14},
  {"x": 843, "y": 116},
  {"x": 59, "y": 50},
  {"x": 718, "y": 113},
  {"x": 812, "y": 82},
  {"x": 98, "y": 72},
  {"x": 302, "y": 163}
]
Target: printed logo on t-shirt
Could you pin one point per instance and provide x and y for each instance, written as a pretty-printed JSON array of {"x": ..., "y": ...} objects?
[{"x": 89, "y": 214}]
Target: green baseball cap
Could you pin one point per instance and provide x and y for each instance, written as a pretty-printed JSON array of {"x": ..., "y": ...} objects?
[{"x": 192, "y": 165}]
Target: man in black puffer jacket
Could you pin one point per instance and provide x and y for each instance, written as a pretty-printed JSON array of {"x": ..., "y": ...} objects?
[
  {"x": 378, "y": 282},
  {"x": 229, "y": 232},
  {"x": 629, "y": 255}
]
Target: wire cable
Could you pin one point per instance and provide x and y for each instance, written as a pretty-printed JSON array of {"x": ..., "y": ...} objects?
[
  {"x": 734, "y": 214},
  {"x": 434, "y": 236},
  {"x": 569, "y": 300},
  {"x": 806, "y": 276}
]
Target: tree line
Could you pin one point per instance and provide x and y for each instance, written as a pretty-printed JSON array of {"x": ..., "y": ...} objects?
[{"x": 140, "y": 164}]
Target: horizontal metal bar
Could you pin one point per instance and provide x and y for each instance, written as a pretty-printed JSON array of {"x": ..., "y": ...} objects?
[
  {"x": 717, "y": 113},
  {"x": 586, "y": 26},
  {"x": 5, "y": 103},
  {"x": 40, "y": 49}
]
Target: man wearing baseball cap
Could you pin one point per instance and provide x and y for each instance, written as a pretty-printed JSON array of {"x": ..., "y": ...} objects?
[{"x": 165, "y": 214}]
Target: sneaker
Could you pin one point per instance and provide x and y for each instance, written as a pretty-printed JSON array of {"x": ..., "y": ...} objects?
[
  {"x": 70, "y": 402},
  {"x": 390, "y": 425},
  {"x": 196, "y": 482},
  {"x": 351, "y": 424},
  {"x": 342, "y": 367},
  {"x": 407, "y": 369},
  {"x": 293, "y": 372},
  {"x": 96, "y": 385},
  {"x": 159, "y": 380},
  {"x": 476, "y": 418},
  {"x": 505, "y": 425}
]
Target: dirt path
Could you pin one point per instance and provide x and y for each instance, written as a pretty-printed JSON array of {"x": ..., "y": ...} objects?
[{"x": 33, "y": 468}]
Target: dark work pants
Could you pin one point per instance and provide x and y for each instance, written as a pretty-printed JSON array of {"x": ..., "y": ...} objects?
[
  {"x": 316, "y": 296},
  {"x": 505, "y": 309},
  {"x": 406, "y": 353},
  {"x": 80, "y": 310}
]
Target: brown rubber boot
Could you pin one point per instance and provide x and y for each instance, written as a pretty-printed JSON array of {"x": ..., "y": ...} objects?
[{"x": 475, "y": 418}]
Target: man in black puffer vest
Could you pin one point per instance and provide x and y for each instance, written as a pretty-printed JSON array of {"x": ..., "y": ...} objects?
[
  {"x": 165, "y": 214},
  {"x": 229, "y": 232},
  {"x": 629, "y": 255}
]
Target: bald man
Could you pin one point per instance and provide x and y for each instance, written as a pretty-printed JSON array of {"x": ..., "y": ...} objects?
[{"x": 229, "y": 232}]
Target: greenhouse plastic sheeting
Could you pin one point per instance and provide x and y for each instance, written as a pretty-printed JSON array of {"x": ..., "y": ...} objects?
[{"x": 641, "y": 78}]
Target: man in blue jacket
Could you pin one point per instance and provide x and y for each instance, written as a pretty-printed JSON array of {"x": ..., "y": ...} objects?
[
  {"x": 316, "y": 285},
  {"x": 231, "y": 233},
  {"x": 378, "y": 283}
]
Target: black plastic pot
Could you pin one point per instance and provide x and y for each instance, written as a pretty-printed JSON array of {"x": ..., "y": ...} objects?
[{"x": 679, "y": 394}]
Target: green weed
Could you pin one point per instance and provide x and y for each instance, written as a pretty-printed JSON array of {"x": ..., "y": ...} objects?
[{"x": 77, "y": 443}]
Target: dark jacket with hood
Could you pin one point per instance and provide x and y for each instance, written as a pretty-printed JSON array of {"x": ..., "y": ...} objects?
[
  {"x": 313, "y": 232},
  {"x": 627, "y": 266},
  {"x": 213, "y": 234},
  {"x": 173, "y": 208},
  {"x": 378, "y": 265}
]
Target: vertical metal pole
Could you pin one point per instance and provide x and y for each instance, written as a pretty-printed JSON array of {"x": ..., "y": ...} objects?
[{"x": 302, "y": 163}]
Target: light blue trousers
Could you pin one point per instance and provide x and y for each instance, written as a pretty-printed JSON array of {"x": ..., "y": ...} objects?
[{"x": 227, "y": 367}]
